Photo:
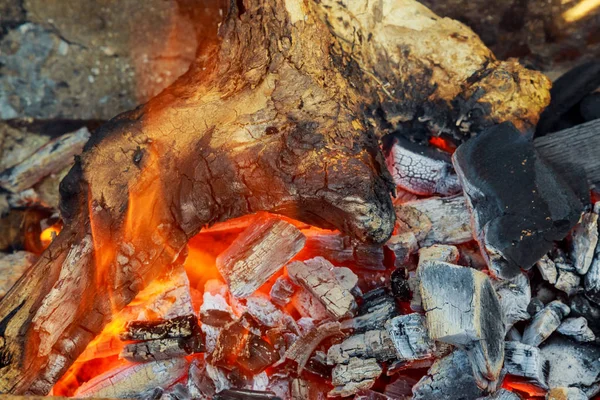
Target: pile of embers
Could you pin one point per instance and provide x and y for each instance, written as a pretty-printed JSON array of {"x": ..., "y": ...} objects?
[{"x": 488, "y": 288}]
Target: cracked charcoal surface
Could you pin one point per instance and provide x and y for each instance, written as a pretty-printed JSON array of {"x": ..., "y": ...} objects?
[{"x": 520, "y": 205}]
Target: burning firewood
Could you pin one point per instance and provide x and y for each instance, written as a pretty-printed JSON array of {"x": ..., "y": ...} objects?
[
  {"x": 375, "y": 344},
  {"x": 162, "y": 349},
  {"x": 12, "y": 267},
  {"x": 526, "y": 361},
  {"x": 410, "y": 338},
  {"x": 179, "y": 327},
  {"x": 355, "y": 375},
  {"x": 259, "y": 123},
  {"x": 377, "y": 307},
  {"x": 257, "y": 254}
]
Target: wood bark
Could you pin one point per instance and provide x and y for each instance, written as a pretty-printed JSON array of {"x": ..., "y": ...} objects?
[{"x": 280, "y": 112}]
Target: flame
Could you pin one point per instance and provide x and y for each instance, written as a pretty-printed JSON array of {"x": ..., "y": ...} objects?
[
  {"x": 442, "y": 144},
  {"x": 520, "y": 385},
  {"x": 48, "y": 234},
  {"x": 580, "y": 10}
]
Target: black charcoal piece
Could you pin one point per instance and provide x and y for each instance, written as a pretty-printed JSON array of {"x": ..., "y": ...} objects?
[
  {"x": 400, "y": 287},
  {"x": 519, "y": 204},
  {"x": 377, "y": 307},
  {"x": 450, "y": 377},
  {"x": 590, "y": 107},
  {"x": 566, "y": 93},
  {"x": 178, "y": 327}
]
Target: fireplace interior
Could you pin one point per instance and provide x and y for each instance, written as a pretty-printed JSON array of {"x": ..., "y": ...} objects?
[{"x": 308, "y": 199}]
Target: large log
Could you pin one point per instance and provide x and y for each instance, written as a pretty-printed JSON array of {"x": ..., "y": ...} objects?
[{"x": 280, "y": 112}]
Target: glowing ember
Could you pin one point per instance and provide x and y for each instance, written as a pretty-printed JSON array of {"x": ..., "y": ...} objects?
[
  {"x": 442, "y": 144},
  {"x": 580, "y": 10},
  {"x": 48, "y": 234}
]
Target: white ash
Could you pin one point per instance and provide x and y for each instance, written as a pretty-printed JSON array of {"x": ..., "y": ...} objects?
[
  {"x": 282, "y": 291},
  {"x": 577, "y": 329},
  {"x": 260, "y": 307},
  {"x": 410, "y": 338},
  {"x": 584, "y": 241},
  {"x": 545, "y": 322},
  {"x": 526, "y": 361}
]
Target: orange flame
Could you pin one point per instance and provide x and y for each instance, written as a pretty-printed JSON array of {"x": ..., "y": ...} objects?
[
  {"x": 580, "y": 10},
  {"x": 48, "y": 234}
]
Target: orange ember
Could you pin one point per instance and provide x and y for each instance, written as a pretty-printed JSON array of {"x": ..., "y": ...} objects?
[
  {"x": 48, "y": 234},
  {"x": 442, "y": 144},
  {"x": 526, "y": 389}
]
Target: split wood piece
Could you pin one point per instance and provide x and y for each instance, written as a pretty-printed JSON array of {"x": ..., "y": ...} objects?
[
  {"x": 515, "y": 296},
  {"x": 12, "y": 266},
  {"x": 566, "y": 393},
  {"x": 178, "y": 327},
  {"x": 577, "y": 329},
  {"x": 316, "y": 275},
  {"x": 309, "y": 306},
  {"x": 547, "y": 269},
  {"x": 526, "y": 361},
  {"x": 502, "y": 394},
  {"x": 49, "y": 159},
  {"x": 514, "y": 230},
  {"x": 375, "y": 344},
  {"x": 439, "y": 252},
  {"x": 462, "y": 309},
  {"x": 342, "y": 250},
  {"x": 436, "y": 220},
  {"x": 355, "y": 375},
  {"x": 132, "y": 379},
  {"x": 301, "y": 350},
  {"x": 572, "y": 364},
  {"x": 257, "y": 254},
  {"x": 545, "y": 322},
  {"x": 377, "y": 307},
  {"x": 450, "y": 377},
  {"x": 575, "y": 149},
  {"x": 259, "y": 123},
  {"x": 410, "y": 338},
  {"x": 584, "y": 239},
  {"x": 163, "y": 349},
  {"x": 421, "y": 169}
]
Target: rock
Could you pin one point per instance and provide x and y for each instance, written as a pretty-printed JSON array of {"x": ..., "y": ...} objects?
[
  {"x": 462, "y": 309},
  {"x": 519, "y": 204}
]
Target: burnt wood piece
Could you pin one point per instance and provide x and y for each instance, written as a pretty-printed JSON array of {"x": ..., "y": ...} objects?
[
  {"x": 355, "y": 375},
  {"x": 410, "y": 338},
  {"x": 371, "y": 344},
  {"x": 178, "y": 327},
  {"x": 545, "y": 322},
  {"x": 244, "y": 394},
  {"x": 258, "y": 253},
  {"x": 316, "y": 276},
  {"x": 577, "y": 329},
  {"x": 566, "y": 93},
  {"x": 519, "y": 204},
  {"x": 51, "y": 158},
  {"x": 574, "y": 149},
  {"x": 162, "y": 349},
  {"x": 301, "y": 350},
  {"x": 420, "y": 169},
  {"x": 515, "y": 296},
  {"x": 589, "y": 108},
  {"x": 502, "y": 394},
  {"x": 526, "y": 361},
  {"x": 462, "y": 309},
  {"x": 570, "y": 393},
  {"x": 270, "y": 116},
  {"x": 584, "y": 240},
  {"x": 377, "y": 307},
  {"x": 547, "y": 269}
]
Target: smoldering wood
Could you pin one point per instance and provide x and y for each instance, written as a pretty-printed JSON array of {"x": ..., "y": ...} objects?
[
  {"x": 178, "y": 327},
  {"x": 353, "y": 376},
  {"x": 342, "y": 250},
  {"x": 502, "y": 394},
  {"x": 301, "y": 350},
  {"x": 282, "y": 291},
  {"x": 132, "y": 379},
  {"x": 450, "y": 377},
  {"x": 399, "y": 284},
  {"x": 436, "y": 220},
  {"x": 244, "y": 394},
  {"x": 375, "y": 344},
  {"x": 515, "y": 296},
  {"x": 309, "y": 306},
  {"x": 257, "y": 254},
  {"x": 420, "y": 169},
  {"x": 526, "y": 361},
  {"x": 545, "y": 322},
  {"x": 260, "y": 307},
  {"x": 577, "y": 329},
  {"x": 547, "y": 269},
  {"x": 584, "y": 240},
  {"x": 439, "y": 252},
  {"x": 12, "y": 266},
  {"x": 162, "y": 349},
  {"x": 514, "y": 231},
  {"x": 51, "y": 158},
  {"x": 316, "y": 275},
  {"x": 403, "y": 245},
  {"x": 409, "y": 337},
  {"x": 462, "y": 309},
  {"x": 301, "y": 108},
  {"x": 377, "y": 307}
]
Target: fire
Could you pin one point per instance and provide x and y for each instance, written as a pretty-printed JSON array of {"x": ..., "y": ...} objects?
[
  {"x": 580, "y": 10},
  {"x": 48, "y": 234},
  {"x": 442, "y": 144}
]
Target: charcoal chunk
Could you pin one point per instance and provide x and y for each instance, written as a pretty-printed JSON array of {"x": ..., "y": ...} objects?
[
  {"x": 400, "y": 287},
  {"x": 590, "y": 107},
  {"x": 544, "y": 323},
  {"x": 519, "y": 204},
  {"x": 525, "y": 361}
]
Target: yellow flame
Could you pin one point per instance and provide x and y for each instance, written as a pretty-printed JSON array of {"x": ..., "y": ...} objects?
[
  {"x": 580, "y": 10},
  {"x": 48, "y": 234}
]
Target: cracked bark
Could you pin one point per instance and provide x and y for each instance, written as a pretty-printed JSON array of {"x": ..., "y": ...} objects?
[{"x": 280, "y": 113}]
